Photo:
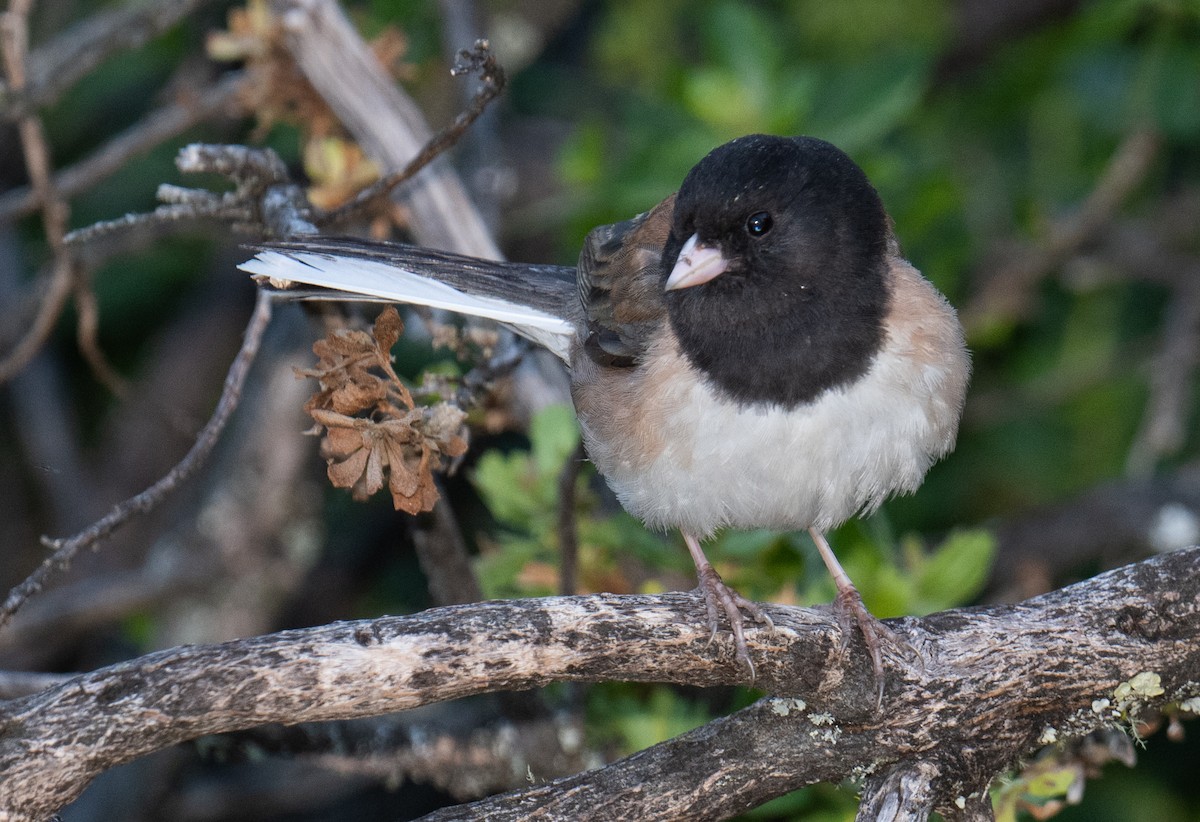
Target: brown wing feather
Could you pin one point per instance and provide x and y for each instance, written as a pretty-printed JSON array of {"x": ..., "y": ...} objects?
[{"x": 620, "y": 284}]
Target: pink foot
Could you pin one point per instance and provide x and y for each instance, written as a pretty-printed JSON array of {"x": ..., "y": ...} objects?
[
  {"x": 850, "y": 611},
  {"x": 718, "y": 598}
]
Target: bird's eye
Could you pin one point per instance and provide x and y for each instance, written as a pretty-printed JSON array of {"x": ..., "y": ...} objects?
[{"x": 759, "y": 224}]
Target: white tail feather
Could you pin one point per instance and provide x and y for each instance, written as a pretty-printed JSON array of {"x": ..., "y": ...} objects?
[{"x": 386, "y": 282}]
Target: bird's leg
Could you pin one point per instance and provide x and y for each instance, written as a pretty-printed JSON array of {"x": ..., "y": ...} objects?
[
  {"x": 718, "y": 595},
  {"x": 848, "y": 605}
]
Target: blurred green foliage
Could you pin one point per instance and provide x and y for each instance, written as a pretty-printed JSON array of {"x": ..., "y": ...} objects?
[{"x": 520, "y": 489}]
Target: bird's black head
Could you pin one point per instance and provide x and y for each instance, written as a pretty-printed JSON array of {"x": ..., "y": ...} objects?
[{"x": 799, "y": 240}]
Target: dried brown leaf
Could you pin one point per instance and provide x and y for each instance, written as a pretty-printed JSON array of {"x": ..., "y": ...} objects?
[
  {"x": 340, "y": 443},
  {"x": 426, "y": 494},
  {"x": 372, "y": 476},
  {"x": 454, "y": 446},
  {"x": 345, "y": 473},
  {"x": 370, "y": 441},
  {"x": 387, "y": 329},
  {"x": 402, "y": 480}
]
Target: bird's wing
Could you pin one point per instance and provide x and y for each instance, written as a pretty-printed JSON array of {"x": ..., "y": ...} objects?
[
  {"x": 537, "y": 301},
  {"x": 621, "y": 285}
]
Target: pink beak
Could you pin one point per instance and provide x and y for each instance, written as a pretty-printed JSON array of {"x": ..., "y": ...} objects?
[{"x": 697, "y": 264}]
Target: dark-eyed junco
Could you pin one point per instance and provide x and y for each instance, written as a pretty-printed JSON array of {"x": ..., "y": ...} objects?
[{"x": 751, "y": 353}]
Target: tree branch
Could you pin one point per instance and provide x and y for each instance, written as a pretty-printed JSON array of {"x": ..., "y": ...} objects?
[
  {"x": 995, "y": 682},
  {"x": 476, "y": 60},
  {"x": 65, "y": 550},
  {"x": 384, "y": 121},
  {"x": 71, "y": 55},
  {"x": 188, "y": 109}
]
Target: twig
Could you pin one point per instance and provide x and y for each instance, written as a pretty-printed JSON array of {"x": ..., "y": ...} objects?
[
  {"x": 1006, "y": 290},
  {"x": 156, "y": 127},
  {"x": 480, "y": 154},
  {"x": 54, "y": 299},
  {"x": 72, "y": 54},
  {"x": 66, "y": 549},
  {"x": 399, "y": 748},
  {"x": 14, "y": 42},
  {"x": 14, "y": 33},
  {"x": 478, "y": 59},
  {"x": 568, "y": 529},
  {"x": 501, "y": 364},
  {"x": 265, "y": 202},
  {"x": 87, "y": 332},
  {"x": 247, "y": 167},
  {"x": 442, "y": 554},
  {"x": 60, "y": 616},
  {"x": 383, "y": 120}
]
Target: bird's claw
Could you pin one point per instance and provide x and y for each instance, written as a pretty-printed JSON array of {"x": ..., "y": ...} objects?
[
  {"x": 849, "y": 610},
  {"x": 719, "y": 597}
]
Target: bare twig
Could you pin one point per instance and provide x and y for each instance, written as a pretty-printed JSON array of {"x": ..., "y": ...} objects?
[
  {"x": 399, "y": 748},
  {"x": 478, "y": 59},
  {"x": 383, "y": 120},
  {"x": 442, "y": 553},
  {"x": 263, "y": 203},
  {"x": 54, "y": 299},
  {"x": 501, "y": 364},
  {"x": 156, "y": 127},
  {"x": 64, "y": 550},
  {"x": 72, "y": 55},
  {"x": 568, "y": 529},
  {"x": 14, "y": 43},
  {"x": 247, "y": 167},
  {"x": 60, "y": 615},
  {"x": 1006, "y": 290},
  {"x": 480, "y": 156},
  {"x": 14, "y": 33},
  {"x": 87, "y": 334}
]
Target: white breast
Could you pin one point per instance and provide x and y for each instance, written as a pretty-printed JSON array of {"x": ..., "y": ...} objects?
[{"x": 701, "y": 463}]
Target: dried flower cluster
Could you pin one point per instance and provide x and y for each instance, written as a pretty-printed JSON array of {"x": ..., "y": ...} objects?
[{"x": 374, "y": 433}]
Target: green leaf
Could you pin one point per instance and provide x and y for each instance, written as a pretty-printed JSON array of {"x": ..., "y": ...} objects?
[
  {"x": 956, "y": 571},
  {"x": 504, "y": 482},
  {"x": 664, "y": 715},
  {"x": 553, "y": 433},
  {"x": 1051, "y": 783}
]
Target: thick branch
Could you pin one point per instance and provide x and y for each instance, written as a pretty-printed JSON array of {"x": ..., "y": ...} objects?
[{"x": 993, "y": 682}]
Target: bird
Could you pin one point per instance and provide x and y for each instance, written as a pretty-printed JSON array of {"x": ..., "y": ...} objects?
[{"x": 754, "y": 352}]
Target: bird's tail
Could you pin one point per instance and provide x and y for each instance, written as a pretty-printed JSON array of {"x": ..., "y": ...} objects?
[{"x": 535, "y": 301}]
